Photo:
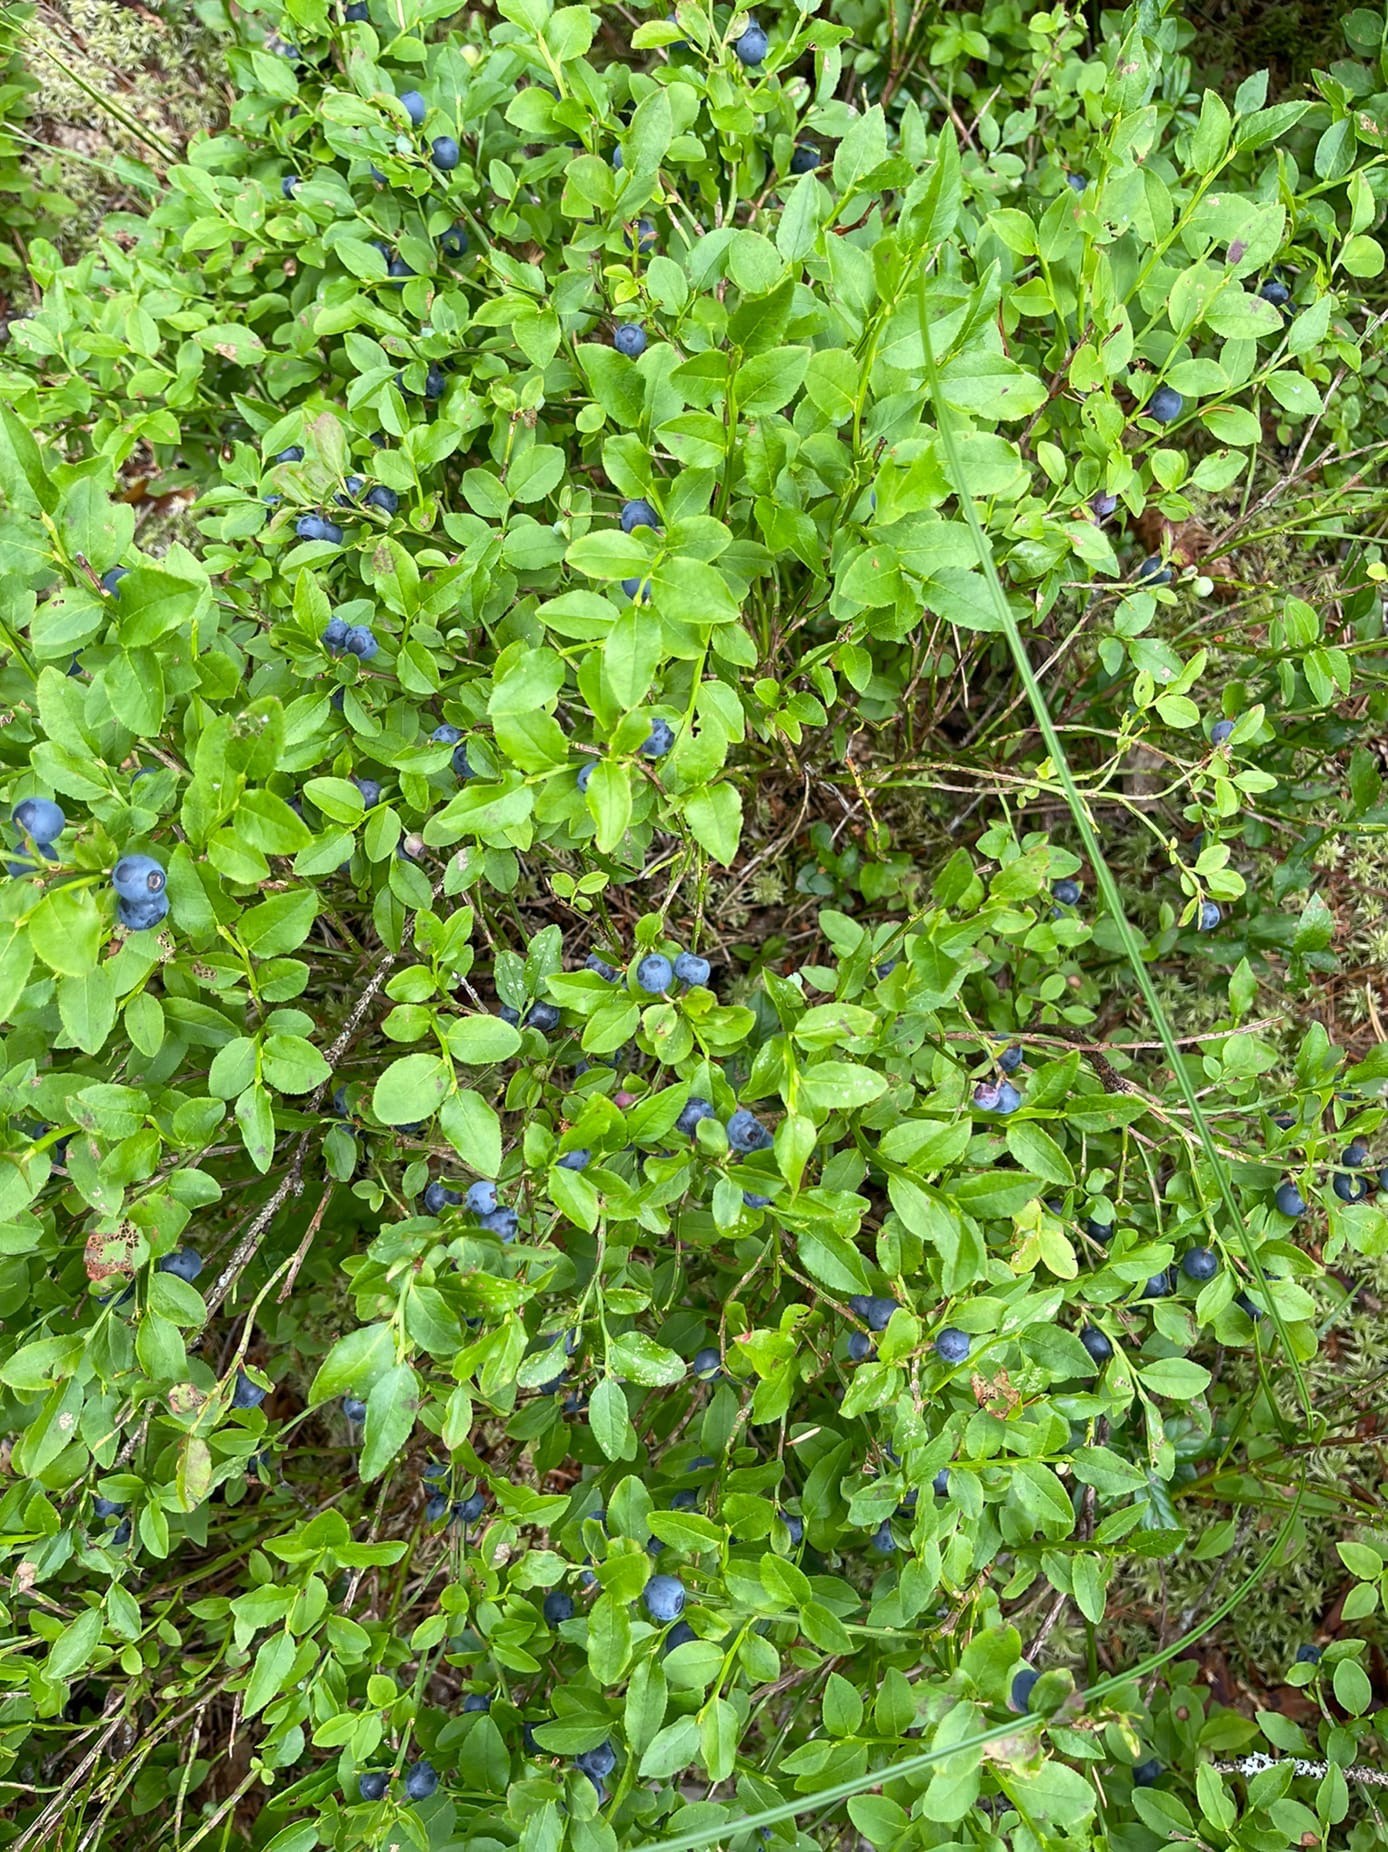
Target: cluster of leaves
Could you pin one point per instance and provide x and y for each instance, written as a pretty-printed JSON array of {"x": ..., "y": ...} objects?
[{"x": 540, "y": 1282}]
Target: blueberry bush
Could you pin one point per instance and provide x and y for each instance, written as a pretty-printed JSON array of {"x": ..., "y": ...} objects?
[{"x": 689, "y": 706}]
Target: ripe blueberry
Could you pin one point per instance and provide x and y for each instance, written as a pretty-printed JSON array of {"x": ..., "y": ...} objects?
[
  {"x": 558, "y": 1607},
  {"x": 576, "y": 1160},
  {"x": 502, "y": 1222},
  {"x": 598, "y": 1763},
  {"x": 679, "y": 1635},
  {"x": 1200, "y": 1264},
  {"x": 658, "y": 741},
  {"x": 1158, "y": 1287},
  {"x": 420, "y": 1781},
  {"x": 638, "y": 590},
  {"x": 1022, "y": 1687},
  {"x": 361, "y": 642},
  {"x": 415, "y": 106},
  {"x": 370, "y": 791},
  {"x": 708, "y": 1364},
  {"x": 356, "y": 13},
  {"x": 435, "y": 1506},
  {"x": 883, "y": 1542},
  {"x": 1220, "y": 732},
  {"x": 469, "y": 1509},
  {"x": 795, "y": 1525},
  {"x": 334, "y": 637},
  {"x": 372, "y": 1785},
  {"x": 1012, "y": 1058},
  {"x": 630, "y": 339},
  {"x": 184, "y": 1264},
  {"x": 1275, "y": 292},
  {"x": 1096, "y": 1344},
  {"x": 747, "y": 1133},
  {"x": 294, "y": 454},
  {"x": 1147, "y": 1774},
  {"x": 1067, "y": 893},
  {"x": 111, "y": 578},
  {"x": 693, "y": 1110},
  {"x": 655, "y": 973},
  {"x": 690, "y": 969},
  {"x": 601, "y": 967},
  {"x": 638, "y": 514},
  {"x": 939, "y": 1485},
  {"x": 1349, "y": 1189},
  {"x": 544, "y": 1017},
  {"x": 142, "y": 915},
  {"x": 1208, "y": 917},
  {"x": 750, "y": 49},
  {"x": 645, "y": 236},
  {"x": 289, "y": 185},
  {"x": 1290, "y": 1200},
  {"x": 435, "y": 1198},
  {"x": 354, "y": 1408},
  {"x": 454, "y": 242},
  {"x": 1152, "y": 572},
  {"x": 445, "y": 153},
  {"x": 860, "y": 1347},
  {"x": 40, "y": 819},
  {"x": 952, "y": 1346},
  {"x": 445, "y": 735},
  {"x": 1308, "y": 1655},
  {"x": 138, "y": 878},
  {"x": 805, "y": 159},
  {"x": 664, "y": 1596},
  {"x": 1076, "y": 182},
  {"x": 1164, "y": 405},
  {"x": 435, "y": 382},
  {"x": 107, "y": 1507},
  {"x": 382, "y": 498},
  {"x": 247, "y": 1394}
]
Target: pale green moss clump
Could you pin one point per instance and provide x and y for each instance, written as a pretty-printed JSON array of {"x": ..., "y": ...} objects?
[{"x": 97, "y": 62}]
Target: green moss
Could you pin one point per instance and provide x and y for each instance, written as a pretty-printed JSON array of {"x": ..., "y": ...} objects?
[{"x": 155, "y": 71}]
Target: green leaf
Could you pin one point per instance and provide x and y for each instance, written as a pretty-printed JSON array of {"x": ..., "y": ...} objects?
[
  {"x": 482, "y": 1041},
  {"x": 840, "y": 1086},
  {"x": 75, "y": 1645},
  {"x": 354, "y": 1363},
  {"x": 256, "y": 1117},
  {"x": 87, "y": 1006},
  {"x": 714, "y": 814},
  {"x": 411, "y": 1088},
  {"x": 644, "y": 1361},
  {"x": 273, "y": 1662},
  {"x": 391, "y": 1405},
  {"x": 610, "y": 1420},
  {"x": 65, "y": 930},
  {"x": 1037, "y": 1152},
  {"x": 280, "y": 924},
  {"x": 471, "y": 1126},
  {"x": 1177, "y": 1377}
]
